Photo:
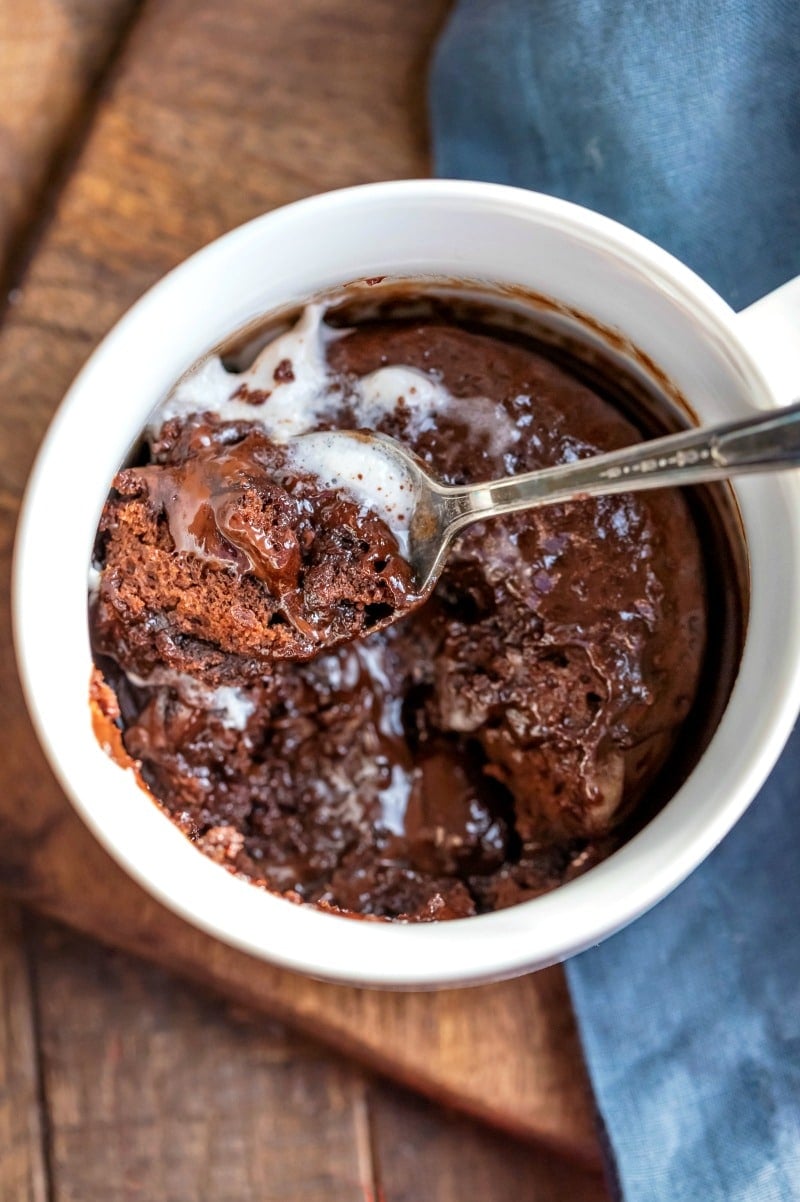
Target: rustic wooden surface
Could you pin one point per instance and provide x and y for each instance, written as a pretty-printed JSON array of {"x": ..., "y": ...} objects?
[
  {"x": 22, "y": 1167},
  {"x": 204, "y": 115},
  {"x": 155, "y": 1091},
  {"x": 52, "y": 56}
]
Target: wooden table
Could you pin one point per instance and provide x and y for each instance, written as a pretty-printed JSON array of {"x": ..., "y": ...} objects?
[{"x": 130, "y": 134}]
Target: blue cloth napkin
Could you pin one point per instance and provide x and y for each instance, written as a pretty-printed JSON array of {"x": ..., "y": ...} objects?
[{"x": 680, "y": 118}]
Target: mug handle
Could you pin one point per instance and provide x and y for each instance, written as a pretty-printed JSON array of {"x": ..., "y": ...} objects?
[{"x": 770, "y": 329}]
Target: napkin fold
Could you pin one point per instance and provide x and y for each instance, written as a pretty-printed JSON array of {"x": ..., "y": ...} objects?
[{"x": 680, "y": 118}]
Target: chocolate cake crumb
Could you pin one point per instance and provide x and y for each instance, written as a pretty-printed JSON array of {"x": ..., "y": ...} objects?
[{"x": 218, "y": 559}]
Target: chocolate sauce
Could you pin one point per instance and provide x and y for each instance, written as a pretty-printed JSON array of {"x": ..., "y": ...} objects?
[{"x": 219, "y": 557}]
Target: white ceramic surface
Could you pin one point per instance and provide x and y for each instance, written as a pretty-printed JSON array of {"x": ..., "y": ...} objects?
[{"x": 726, "y": 364}]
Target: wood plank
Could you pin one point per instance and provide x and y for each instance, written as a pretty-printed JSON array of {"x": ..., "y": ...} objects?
[
  {"x": 422, "y": 1152},
  {"x": 216, "y": 114},
  {"x": 153, "y": 1092},
  {"x": 23, "y": 1176},
  {"x": 52, "y": 54}
]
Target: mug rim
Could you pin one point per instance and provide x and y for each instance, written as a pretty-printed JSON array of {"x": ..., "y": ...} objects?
[{"x": 395, "y": 954}]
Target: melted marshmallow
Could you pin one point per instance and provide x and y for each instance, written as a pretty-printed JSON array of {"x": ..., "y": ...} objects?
[
  {"x": 419, "y": 395},
  {"x": 283, "y": 402},
  {"x": 290, "y": 388},
  {"x": 94, "y": 582},
  {"x": 232, "y": 705},
  {"x": 373, "y": 478}
]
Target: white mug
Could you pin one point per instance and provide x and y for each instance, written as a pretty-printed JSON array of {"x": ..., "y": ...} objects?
[{"x": 726, "y": 364}]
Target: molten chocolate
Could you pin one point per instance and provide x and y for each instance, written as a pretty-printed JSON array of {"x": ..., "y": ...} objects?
[{"x": 229, "y": 526}]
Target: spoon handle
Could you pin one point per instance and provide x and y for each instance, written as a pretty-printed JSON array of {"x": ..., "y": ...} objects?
[{"x": 766, "y": 442}]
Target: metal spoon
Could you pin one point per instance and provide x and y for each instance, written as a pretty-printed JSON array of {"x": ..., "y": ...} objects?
[{"x": 436, "y": 512}]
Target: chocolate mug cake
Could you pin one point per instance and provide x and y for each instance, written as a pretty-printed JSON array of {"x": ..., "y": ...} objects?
[{"x": 493, "y": 743}]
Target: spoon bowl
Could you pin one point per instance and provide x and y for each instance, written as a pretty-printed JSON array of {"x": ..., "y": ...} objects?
[{"x": 433, "y": 513}]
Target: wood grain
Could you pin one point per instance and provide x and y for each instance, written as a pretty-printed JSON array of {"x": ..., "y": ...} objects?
[
  {"x": 422, "y": 1153},
  {"x": 153, "y": 1093},
  {"x": 23, "y": 1175},
  {"x": 52, "y": 54},
  {"x": 217, "y": 113},
  {"x": 154, "y": 1090}
]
